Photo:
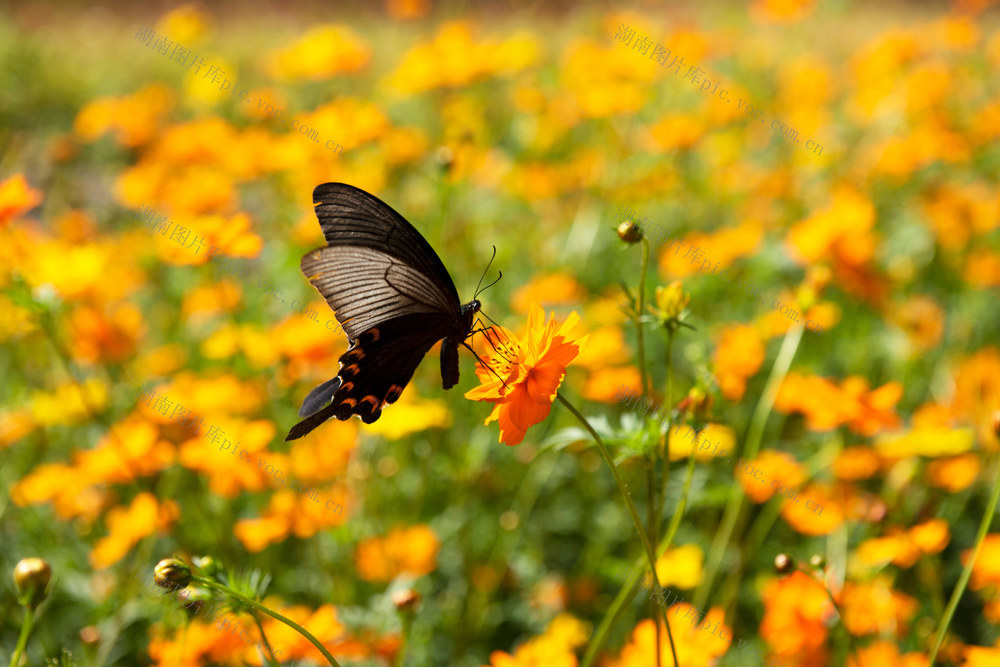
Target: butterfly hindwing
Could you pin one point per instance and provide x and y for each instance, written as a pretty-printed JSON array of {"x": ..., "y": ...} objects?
[{"x": 375, "y": 369}]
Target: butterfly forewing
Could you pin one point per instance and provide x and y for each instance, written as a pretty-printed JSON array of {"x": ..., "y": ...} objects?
[{"x": 352, "y": 217}]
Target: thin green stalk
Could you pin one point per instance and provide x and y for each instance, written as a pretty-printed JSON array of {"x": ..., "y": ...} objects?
[
  {"x": 627, "y": 496},
  {"x": 22, "y": 640},
  {"x": 626, "y": 593},
  {"x": 263, "y": 637},
  {"x": 669, "y": 402},
  {"x": 675, "y": 520},
  {"x": 638, "y": 317},
  {"x": 273, "y": 614},
  {"x": 782, "y": 363},
  {"x": 963, "y": 580},
  {"x": 654, "y": 529},
  {"x": 407, "y": 621}
]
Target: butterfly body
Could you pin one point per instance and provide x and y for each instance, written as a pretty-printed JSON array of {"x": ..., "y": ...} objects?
[{"x": 393, "y": 298}]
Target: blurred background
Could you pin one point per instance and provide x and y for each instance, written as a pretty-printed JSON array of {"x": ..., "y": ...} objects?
[{"x": 136, "y": 140}]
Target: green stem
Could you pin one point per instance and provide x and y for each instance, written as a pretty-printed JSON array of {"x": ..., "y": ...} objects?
[
  {"x": 675, "y": 520},
  {"x": 654, "y": 521},
  {"x": 273, "y": 614},
  {"x": 638, "y": 317},
  {"x": 626, "y": 495},
  {"x": 407, "y": 622},
  {"x": 22, "y": 640},
  {"x": 754, "y": 434},
  {"x": 963, "y": 580},
  {"x": 263, "y": 637}
]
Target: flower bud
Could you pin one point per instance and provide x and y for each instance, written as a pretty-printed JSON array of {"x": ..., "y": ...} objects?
[
  {"x": 207, "y": 565},
  {"x": 31, "y": 577},
  {"x": 172, "y": 573},
  {"x": 406, "y": 600},
  {"x": 783, "y": 564},
  {"x": 672, "y": 300},
  {"x": 629, "y": 232}
]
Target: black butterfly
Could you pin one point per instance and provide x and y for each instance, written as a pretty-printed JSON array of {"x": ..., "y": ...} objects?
[{"x": 393, "y": 297}]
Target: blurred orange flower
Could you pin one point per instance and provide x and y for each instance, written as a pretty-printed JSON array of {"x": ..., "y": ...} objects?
[
  {"x": 554, "y": 648},
  {"x": 292, "y": 513},
  {"x": 407, "y": 550},
  {"x": 986, "y": 571},
  {"x": 796, "y": 611},
  {"x": 553, "y": 289},
  {"x": 873, "y": 607},
  {"x": 738, "y": 356},
  {"x": 16, "y": 197},
  {"x": 886, "y": 654},
  {"x": 954, "y": 474},
  {"x": 828, "y": 406},
  {"x": 126, "y": 526},
  {"x": 695, "y": 647},
  {"x": 781, "y": 11},
  {"x": 109, "y": 335},
  {"x": 134, "y": 118},
  {"x": 531, "y": 370},
  {"x": 323, "y": 52},
  {"x": 778, "y": 469}
]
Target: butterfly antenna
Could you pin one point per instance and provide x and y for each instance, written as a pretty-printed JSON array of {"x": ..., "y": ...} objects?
[{"x": 484, "y": 275}]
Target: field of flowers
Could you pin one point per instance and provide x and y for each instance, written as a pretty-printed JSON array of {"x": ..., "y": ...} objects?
[{"x": 740, "y": 403}]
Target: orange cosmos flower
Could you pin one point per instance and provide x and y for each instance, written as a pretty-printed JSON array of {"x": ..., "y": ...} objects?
[{"x": 532, "y": 369}]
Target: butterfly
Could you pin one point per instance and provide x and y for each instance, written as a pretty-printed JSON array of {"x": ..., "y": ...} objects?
[{"x": 392, "y": 296}]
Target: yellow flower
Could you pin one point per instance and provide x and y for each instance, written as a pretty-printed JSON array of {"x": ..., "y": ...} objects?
[
  {"x": 554, "y": 648},
  {"x": 126, "y": 526},
  {"x": 677, "y": 131},
  {"x": 207, "y": 300},
  {"x": 411, "y": 415},
  {"x": 322, "y": 53},
  {"x": 695, "y": 647},
  {"x": 185, "y": 24},
  {"x": 926, "y": 442},
  {"x": 714, "y": 440},
  {"x": 680, "y": 567},
  {"x": 134, "y": 118},
  {"x": 781, "y": 11},
  {"x": 69, "y": 402},
  {"x": 454, "y": 58}
]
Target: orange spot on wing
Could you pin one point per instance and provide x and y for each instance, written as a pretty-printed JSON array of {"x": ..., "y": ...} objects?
[
  {"x": 349, "y": 402},
  {"x": 347, "y": 386},
  {"x": 353, "y": 369},
  {"x": 370, "y": 399}
]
